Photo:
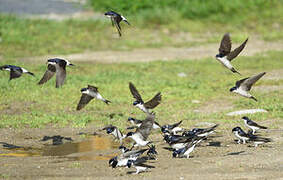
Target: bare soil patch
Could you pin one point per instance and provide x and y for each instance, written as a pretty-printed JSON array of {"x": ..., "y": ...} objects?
[
  {"x": 216, "y": 158},
  {"x": 165, "y": 53}
]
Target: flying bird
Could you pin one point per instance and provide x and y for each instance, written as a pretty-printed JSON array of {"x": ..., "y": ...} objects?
[
  {"x": 141, "y": 134},
  {"x": 225, "y": 55},
  {"x": 243, "y": 86},
  {"x": 57, "y": 66},
  {"x": 137, "y": 123},
  {"x": 252, "y": 125},
  {"x": 145, "y": 107},
  {"x": 113, "y": 130},
  {"x": 88, "y": 94},
  {"x": 15, "y": 71},
  {"x": 116, "y": 19}
]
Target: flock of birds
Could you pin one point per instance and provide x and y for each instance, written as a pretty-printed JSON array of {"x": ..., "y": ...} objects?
[{"x": 181, "y": 141}]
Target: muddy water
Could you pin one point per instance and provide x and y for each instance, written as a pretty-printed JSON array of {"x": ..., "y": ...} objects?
[{"x": 93, "y": 148}]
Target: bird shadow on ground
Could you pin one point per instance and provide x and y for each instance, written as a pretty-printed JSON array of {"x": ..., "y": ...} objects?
[
  {"x": 56, "y": 140},
  {"x": 168, "y": 148},
  {"x": 214, "y": 143},
  {"x": 10, "y": 146},
  {"x": 235, "y": 153}
]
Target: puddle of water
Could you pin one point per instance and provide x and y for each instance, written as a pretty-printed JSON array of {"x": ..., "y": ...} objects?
[{"x": 95, "y": 147}]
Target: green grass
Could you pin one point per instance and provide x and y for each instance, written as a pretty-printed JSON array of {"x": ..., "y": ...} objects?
[
  {"x": 190, "y": 24},
  {"x": 25, "y": 104}
]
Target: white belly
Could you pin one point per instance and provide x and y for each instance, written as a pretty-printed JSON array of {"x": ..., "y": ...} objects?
[
  {"x": 141, "y": 107},
  {"x": 242, "y": 93},
  {"x": 225, "y": 62},
  {"x": 178, "y": 146}
]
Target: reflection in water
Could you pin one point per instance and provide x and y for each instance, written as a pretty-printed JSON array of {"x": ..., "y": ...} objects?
[
  {"x": 95, "y": 145},
  {"x": 21, "y": 154}
]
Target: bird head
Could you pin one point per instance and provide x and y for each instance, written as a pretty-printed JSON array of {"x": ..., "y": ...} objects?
[
  {"x": 164, "y": 129},
  {"x": 123, "y": 148},
  {"x": 83, "y": 89},
  {"x": 174, "y": 154},
  {"x": 110, "y": 130},
  {"x": 130, "y": 134},
  {"x": 129, "y": 163},
  {"x": 233, "y": 89},
  {"x": 113, "y": 162},
  {"x": 131, "y": 119},
  {"x": 135, "y": 103},
  {"x": 236, "y": 129},
  {"x": 245, "y": 118}
]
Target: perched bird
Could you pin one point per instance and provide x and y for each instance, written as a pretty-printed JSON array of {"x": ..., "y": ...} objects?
[
  {"x": 252, "y": 125},
  {"x": 113, "y": 130},
  {"x": 225, "y": 55},
  {"x": 241, "y": 135},
  {"x": 139, "y": 102},
  {"x": 243, "y": 86},
  {"x": 57, "y": 66},
  {"x": 139, "y": 165},
  {"x": 172, "y": 128},
  {"x": 244, "y": 137},
  {"x": 122, "y": 159},
  {"x": 201, "y": 132},
  {"x": 185, "y": 151},
  {"x": 178, "y": 142},
  {"x": 141, "y": 134},
  {"x": 116, "y": 19},
  {"x": 88, "y": 94},
  {"x": 137, "y": 122},
  {"x": 15, "y": 71}
]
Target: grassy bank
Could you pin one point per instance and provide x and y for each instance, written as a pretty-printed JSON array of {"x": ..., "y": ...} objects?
[{"x": 24, "y": 103}]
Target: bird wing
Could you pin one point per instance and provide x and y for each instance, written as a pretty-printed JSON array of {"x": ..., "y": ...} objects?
[
  {"x": 236, "y": 51},
  {"x": 112, "y": 20},
  {"x": 60, "y": 76},
  {"x": 225, "y": 45},
  {"x": 14, "y": 74},
  {"x": 49, "y": 73},
  {"x": 153, "y": 102},
  {"x": 85, "y": 99},
  {"x": 238, "y": 83},
  {"x": 176, "y": 124},
  {"x": 135, "y": 92},
  {"x": 134, "y": 153},
  {"x": 247, "y": 84},
  {"x": 93, "y": 88},
  {"x": 252, "y": 123},
  {"x": 117, "y": 25},
  {"x": 146, "y": 126}
]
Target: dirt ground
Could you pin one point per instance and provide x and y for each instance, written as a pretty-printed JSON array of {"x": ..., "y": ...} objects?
[
  {"x": 166, "y": 53},
  {"x": 86, "y": 157}
]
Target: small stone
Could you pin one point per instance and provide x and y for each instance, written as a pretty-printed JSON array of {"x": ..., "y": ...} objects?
[
  {"x": 182, "y": 74},
  {"x": 195, "y": 101},
  {"x": 245, "y": 111}
]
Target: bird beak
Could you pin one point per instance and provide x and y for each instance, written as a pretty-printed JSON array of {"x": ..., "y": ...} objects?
[{"x": 71, "y": 65}]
